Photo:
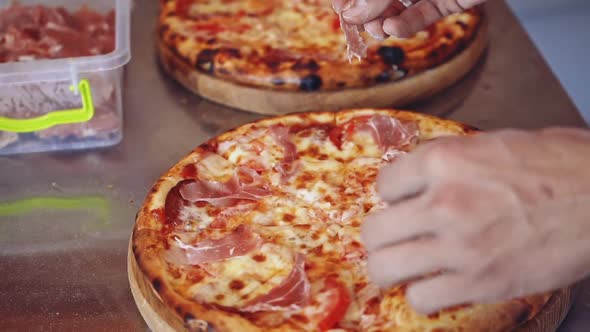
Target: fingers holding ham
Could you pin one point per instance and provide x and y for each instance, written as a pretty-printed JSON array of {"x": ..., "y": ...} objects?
[{"x": 355, "y": 44}]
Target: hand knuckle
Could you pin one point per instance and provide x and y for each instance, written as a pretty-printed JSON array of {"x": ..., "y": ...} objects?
[
  {"x": 441, "y": 157},
  {"x": 448, "y": 203}
]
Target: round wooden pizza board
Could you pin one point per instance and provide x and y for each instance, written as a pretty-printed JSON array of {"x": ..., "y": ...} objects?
[
  {"x": 160, "y": 318},
  {"x": 266, "y": 101}
]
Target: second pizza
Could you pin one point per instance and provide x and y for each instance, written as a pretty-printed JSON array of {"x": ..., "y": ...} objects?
[{"x": 294, "y": 49}]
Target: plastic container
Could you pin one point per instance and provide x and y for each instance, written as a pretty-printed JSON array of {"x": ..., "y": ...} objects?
[{"x": 67, "y": 103}]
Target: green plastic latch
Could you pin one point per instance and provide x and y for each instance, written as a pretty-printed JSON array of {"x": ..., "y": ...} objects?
[
  {"x": 76, "y": 115},
  {"x": 48, "y": 203}
]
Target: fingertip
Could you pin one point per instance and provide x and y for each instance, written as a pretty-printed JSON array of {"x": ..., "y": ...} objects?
[
  {"x": 399, "y": 181},
  {"x": 375, "y": 29},
  {"x": 354, "y": 16},
  {"x": 375, "y": 272},
  {"x": 397, "y": 27},
  {"x": 341, "y": 5},
  {"x": 419, "y": 301},
  {"x": 368, "y": 230},
  {"x": 431, "y": 295}
]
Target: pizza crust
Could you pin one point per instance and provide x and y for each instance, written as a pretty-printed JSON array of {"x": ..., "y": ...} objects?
[
  {"x": 267, "y": 101},
  {"x": 165, "y": 309}
]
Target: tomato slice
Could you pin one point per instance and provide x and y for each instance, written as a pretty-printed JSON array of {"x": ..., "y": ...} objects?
[
  {"x": 337, "y": 304},
  {"x": 335, "y": 136},
  {"x": 336, "y": 23},
  {"x": 183, "y": 7}
]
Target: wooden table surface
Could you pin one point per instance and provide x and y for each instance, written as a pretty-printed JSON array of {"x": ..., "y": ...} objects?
[{"x": 66, "y": 270}]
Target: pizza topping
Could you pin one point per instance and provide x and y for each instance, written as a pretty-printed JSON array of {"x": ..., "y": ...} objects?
[
  {"x": 287, "y": 166},
  {"x": 222, "y": 218},
  {"x": 282, "y": 135},
  {"x": 368, "y": 297},
  {"x": 389, "y": 133},
  {"x": 391, "y": 55},
  {"x": 183, "y": 7},
  {"x": 175, "y": 204},
  {"x": 238, "y": 243},
  {"x": 311, "y": 82},
  {"x": 292, "y": 294},
  {"x": 287, "y": 170},
  {"x": 214, "y": 167},
  {"x": 355, "y": 44},
  {"x": 392, "y": 154},
  {"x": 337, "y": 302},
  {"x": 245, "y": 184}
]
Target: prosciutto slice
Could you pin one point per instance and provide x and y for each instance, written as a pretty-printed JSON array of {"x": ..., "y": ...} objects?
[
  {"x": 390, "y": 134},
  {"x": 292, "y": 294},
  {"x": 355, "y": 44},
  {"x": 238, "y": 243},
  {"x": 245, "y": 184},
  {"x": 40, "y": 32},
  {"x": 288, "y": 165}
]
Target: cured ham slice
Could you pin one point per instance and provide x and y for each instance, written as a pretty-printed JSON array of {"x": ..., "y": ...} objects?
[
  {"x": 282, "y": 135},
  {"x": 355, "y": 44},
  {"x": 40, "y": 32},
  {"x": 288, "y": 165},
  {"x": 245, "y": 184},
  {"x": 292, "y": 294},
  {"x": 287, "y": 170},
  {"x": 238, "y": 243},
  {"x": 389, "y": 134}
]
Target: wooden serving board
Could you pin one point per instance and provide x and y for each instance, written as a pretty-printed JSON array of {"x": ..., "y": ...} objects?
[
  {"x": 160, "y": 318},
  {"x": 266, "y": 101}
]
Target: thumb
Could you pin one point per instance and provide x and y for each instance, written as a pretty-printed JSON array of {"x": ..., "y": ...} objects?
[
  {"x": 341, "y": 5},
  {"x": 363, "y": 11}
]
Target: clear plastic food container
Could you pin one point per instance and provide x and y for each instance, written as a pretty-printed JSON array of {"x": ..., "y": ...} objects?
[{"x": 65, "y": 102}]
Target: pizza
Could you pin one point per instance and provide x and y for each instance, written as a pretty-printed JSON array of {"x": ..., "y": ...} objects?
[
  {"x": 299, "y": 45},
  {"x": 258, "y": 229}
]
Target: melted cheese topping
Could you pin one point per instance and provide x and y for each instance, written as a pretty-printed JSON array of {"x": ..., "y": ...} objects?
[{"x": 237, "y": 281}]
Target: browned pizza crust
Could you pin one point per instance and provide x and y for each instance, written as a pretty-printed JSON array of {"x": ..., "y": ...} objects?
[
  {"x": 152, "y": 271},
  {"x": 250, "y": 43}
]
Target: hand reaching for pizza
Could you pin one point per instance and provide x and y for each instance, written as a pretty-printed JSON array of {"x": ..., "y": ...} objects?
[
  {"x": 502, "y": 214},
  {"x": 383, "y": 18}
]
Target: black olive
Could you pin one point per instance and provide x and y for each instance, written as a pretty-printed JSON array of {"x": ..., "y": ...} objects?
[
  {"x": 310, "y": 83},
  {"x": 391, "y": 55},
  {"x": 383, "y": 77},
  {"x": 157, "y": 284},
  {"x": 205, "y": 60}
]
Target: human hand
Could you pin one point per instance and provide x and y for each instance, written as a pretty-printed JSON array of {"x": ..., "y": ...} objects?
[
  {"x": 384, "y": 18},
  {"x": 502, "y": 215}
]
